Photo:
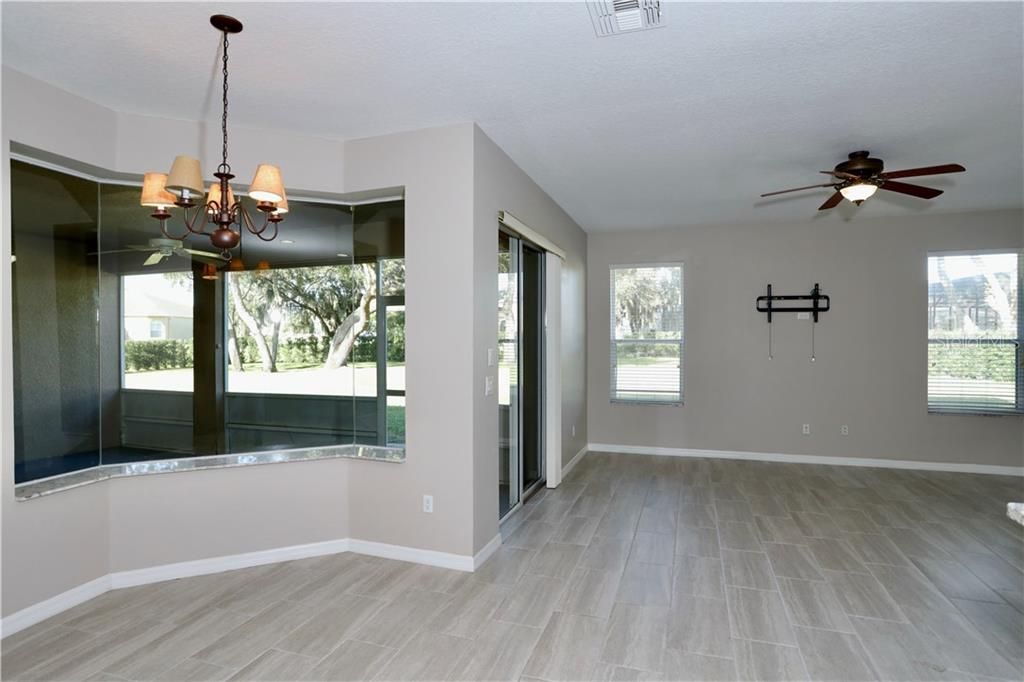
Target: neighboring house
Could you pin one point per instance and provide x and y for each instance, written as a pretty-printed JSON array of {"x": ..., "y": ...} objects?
[{"x": 156, "y": 309}]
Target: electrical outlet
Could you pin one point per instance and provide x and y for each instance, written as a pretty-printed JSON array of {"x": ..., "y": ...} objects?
[
  {"x": 428, "y": 504},
  {"x": 844, "y": 430},
  {"x": 803, "y": 316},
  {"x": 492, "y": 357},
  {"x": 806, "y": 430},
  {"x": 488, "y": 385}
]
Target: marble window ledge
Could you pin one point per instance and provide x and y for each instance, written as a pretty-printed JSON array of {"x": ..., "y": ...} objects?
[
  {"x": 76, "y": 479},
  {"x": 1015, "y": 510}
]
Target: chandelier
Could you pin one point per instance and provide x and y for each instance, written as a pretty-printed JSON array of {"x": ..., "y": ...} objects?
[{"x": 219, "y": 212}]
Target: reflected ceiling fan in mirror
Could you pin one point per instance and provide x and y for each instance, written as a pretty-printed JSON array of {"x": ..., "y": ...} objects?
[
  {"x": 162, "y": 249},
  {"x": 861, "y": 176}
]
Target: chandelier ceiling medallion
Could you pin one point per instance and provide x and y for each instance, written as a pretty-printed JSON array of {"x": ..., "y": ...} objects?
[{"x": 220, "y": 211}]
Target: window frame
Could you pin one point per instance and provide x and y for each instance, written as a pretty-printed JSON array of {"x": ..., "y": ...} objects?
[
  {"x": 612, "y": 340},
  {"x": 1018, "y": 342}
]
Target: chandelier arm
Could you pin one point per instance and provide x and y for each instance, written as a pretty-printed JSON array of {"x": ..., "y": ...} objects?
[
  {"x": 163, "y": 230},
  {"x": 245, "y": 220},
  {"x": 267, "y": 224},
  {"x": 251, "y": 226},
  {"x": 200, "y": 212}
]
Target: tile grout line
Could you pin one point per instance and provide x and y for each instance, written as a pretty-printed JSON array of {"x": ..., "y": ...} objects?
[{"x": 785, "y": 608}]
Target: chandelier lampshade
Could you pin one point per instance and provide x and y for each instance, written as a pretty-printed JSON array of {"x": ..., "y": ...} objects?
[
  {"x": 213, "y": 197},
  {"x": 186, "y": 174},
  {"x": 154, "y": 191},
  {"x": 219, "y": 216},
  {"x": 266, "y": 185},
  {"x": 282, "y": 206}
]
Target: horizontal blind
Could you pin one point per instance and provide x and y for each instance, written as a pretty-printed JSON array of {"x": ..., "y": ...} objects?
[
  {"x": 974, "y": 333},
  {"x": 646, "y": 341}
]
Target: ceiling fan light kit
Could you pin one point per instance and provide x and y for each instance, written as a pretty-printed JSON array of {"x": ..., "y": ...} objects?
[
  {"x": 860, "y": 176},
  {"x": 219, "y": 211},
  {"x": 858, "y": 191}
]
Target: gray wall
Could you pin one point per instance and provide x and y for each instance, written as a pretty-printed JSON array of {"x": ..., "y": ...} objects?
[
  {"x": 499, "y": 184},
  {"x": 47, "y": 548},
  {"x": 435, "y": 167},
  {"x": 870, "y": 372},
  {"x": 157, "y": 520},
  {"x": 59, "y": 542}
]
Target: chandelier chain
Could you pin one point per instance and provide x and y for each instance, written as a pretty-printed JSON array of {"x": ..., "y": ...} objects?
[{"x": 224, "y": 114}]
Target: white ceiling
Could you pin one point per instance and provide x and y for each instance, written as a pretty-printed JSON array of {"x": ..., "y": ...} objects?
[{"x": 677, "y": 126}]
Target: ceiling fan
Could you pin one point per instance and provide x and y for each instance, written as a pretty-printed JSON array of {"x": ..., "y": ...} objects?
[
  {"x": 165, "y": 248},
  {"x": 861, "y": 176}
]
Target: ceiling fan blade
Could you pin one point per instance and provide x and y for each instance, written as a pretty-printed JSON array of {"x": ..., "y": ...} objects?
[
  {"x": 108, "y": 253},
  {"x": 798, "y": 189},
  {"x": 154, "y": 258},
  {"x": 203, "y": 256},
  {"x": 912, "y": 190},
  {"x": 206, "y": 254},
  {"x": 831, "y": 202},
  {"x": 927, "y": 170},
  {"x": 841, "y": 174}
]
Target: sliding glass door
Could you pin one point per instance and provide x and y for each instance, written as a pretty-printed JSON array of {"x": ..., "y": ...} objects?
[
  {"x": 532, "y": 352},
  {"x": 508, "y": 373},
  {"x": 520, "y": 370}
]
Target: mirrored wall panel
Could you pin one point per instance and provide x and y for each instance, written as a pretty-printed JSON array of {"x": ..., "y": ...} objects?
[{"x": 129, "y": 346}]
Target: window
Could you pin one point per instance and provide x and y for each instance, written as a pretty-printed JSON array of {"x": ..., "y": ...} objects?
[
  {"x": 157, "y": 326},
  {"x": 123, "y": 352},
  {"x": 315, "y": 332},
  {"x": 302, "y": 331},
  {"x": 647, "y": 334},
  {"x": 974, "y": 334}
]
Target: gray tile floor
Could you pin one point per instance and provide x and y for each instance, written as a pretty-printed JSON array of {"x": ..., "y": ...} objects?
[{"x": 636, "y": 568}]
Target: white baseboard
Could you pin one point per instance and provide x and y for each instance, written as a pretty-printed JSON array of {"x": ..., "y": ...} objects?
[
  {"x": 810, "y": 459},
  {"x": 574, "y": 461},
  {"x": 484, "y": 554},
  {"x": 429, "y": 557},
  {"x": 28, "y": 616},
  {"x": 39, "y": 612},
  {"x": 231, "y": 562}
]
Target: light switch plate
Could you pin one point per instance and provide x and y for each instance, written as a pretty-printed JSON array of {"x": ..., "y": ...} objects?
[{"x": 492, "y": 357}]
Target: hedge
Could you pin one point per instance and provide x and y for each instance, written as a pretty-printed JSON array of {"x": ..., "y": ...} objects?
[
  {"x": 967, "y": 361},
  {"x": 151, "y": 354}
]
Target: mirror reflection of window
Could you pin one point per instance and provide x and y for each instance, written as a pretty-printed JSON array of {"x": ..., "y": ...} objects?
[
  {"x": 157, "y": 323},
  {"x": 125, "y": 351}
]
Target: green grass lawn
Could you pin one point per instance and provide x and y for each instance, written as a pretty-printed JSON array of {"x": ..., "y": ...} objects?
[
  {"x": 292, "y": 366},
  {"x": 396, "y": 424},
  {"x": 281, "y": 366}
]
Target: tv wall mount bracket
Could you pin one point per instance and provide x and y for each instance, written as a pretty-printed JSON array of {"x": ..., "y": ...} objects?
[{"x": 819, "y": 303}]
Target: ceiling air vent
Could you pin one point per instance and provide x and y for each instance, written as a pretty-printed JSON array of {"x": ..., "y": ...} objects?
[{"x": 622, "y": 16}]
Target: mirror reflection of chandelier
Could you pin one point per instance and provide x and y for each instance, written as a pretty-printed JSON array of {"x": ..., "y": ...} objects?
[{"x": 224, "y": 215}]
